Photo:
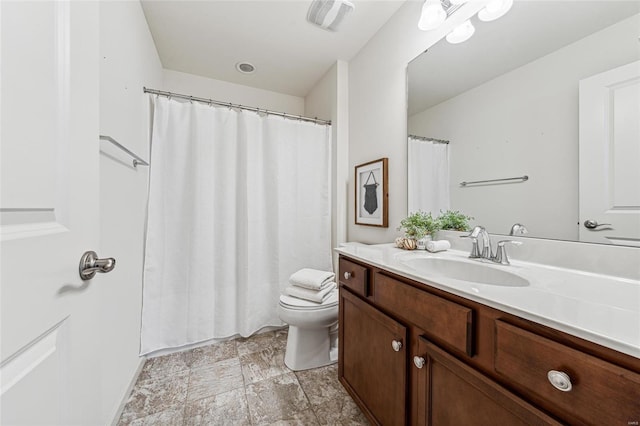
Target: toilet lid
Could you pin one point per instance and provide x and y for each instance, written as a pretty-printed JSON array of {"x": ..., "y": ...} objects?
[{"x": 295, "y": 303}]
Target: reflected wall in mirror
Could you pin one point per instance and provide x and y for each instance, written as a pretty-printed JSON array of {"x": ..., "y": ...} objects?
[{"x": 539, "y": 92}]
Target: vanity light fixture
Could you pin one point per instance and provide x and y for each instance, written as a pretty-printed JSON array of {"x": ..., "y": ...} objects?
[
  {"x": 435, "y": 13},
  {"x": 494, "y": 10},
  {"x": 461, "y": 33},
  {"x": 432, "y": 16}
]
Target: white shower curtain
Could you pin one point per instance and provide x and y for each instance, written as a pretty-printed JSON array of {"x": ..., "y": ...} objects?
[
  {"x": 238, "y": 202},
  {"x": 428, "y": 176}
]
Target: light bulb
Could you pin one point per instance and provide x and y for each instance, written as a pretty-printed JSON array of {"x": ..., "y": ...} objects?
[
  {"x": 432, "y": 16},
  {"x": 494, "y": 10},
  {"x": 462, "y": 32}
]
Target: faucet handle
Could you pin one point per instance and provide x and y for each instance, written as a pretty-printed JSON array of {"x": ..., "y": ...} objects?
[
  {"x": 476, "y": 231},
  {"x": 501, "y": 251},
  {"x": 475, "y": 250}
]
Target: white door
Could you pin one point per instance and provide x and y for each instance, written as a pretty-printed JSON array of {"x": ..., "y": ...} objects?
[
  {"x": 610, "y": 156},
  {"x": 49, "y": 211}
]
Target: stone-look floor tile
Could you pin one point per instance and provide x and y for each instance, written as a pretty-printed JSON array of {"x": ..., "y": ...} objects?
[
  {"x": 275, "y": 399},
  {"x": 239, "y": 382},
  {"x": 168, "y": 417},
  {"x": 156, "y": 395},
  {"x": 340, "y": 411},
  {"x": 262, "y": 365},
  {"x": 281, "y": 337},
  {"x": 229, "y": 408},
  {"x": 321, "y": 384},
  {"x": 163, "y": 366},
  {"x": 204, "y": 356},
  {"x": 302, "y": 418},
  {"x": 256, "y": 343},
  {"x": 219, "y": 377}
]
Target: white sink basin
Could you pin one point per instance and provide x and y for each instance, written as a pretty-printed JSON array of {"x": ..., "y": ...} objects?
[{"x": 466, "y": 271}]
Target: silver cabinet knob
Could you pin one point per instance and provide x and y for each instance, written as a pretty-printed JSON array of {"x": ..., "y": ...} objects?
[
  {"x": 347, "y": 275},
  {"x": 418, "y": 361},
  {"x": 396, "y": 345},
  {"x": 592, "y": 224},
  {"x": 560, "y": 380},
  {"x": 90, "y": 264}
]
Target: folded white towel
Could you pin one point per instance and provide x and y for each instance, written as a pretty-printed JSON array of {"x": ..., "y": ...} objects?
[
  {"x": 311, "y": 278},
  {"x": 311, "y": 295},
  {"x": 441, "y": 245}
]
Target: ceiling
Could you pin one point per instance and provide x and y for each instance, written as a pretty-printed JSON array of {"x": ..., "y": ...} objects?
[
  {"x": 530, "y": 30},
  {"x": 207, "y": 38}
]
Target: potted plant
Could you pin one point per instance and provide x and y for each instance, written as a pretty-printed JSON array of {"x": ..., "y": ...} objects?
[
  {"x": 419, "y": 226},
  {"x": 454, "y": 220}
]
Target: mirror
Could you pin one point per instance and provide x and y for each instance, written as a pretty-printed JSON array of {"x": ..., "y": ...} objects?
[{"x": 507, "y": 101}]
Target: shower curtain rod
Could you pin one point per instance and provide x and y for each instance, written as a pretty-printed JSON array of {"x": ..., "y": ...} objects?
[
  {"x": 423, "y": 138},
  {"x": 230, "y": 105}
]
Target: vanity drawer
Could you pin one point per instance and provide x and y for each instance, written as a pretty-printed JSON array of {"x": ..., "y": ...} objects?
[
  {"x": 354, "y": 276},
  {"x": 441, "y": 319},
  {"x": 601, "y": 392}
]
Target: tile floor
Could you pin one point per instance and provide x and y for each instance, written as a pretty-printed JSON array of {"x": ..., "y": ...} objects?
[{"x": 238, "y": 382}]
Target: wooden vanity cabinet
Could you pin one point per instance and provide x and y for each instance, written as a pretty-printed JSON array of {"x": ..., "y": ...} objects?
[
  {"x": 373, "y": 364},
  {"x": 461, "y": 362},
  {"x": 449, "y": 392}
]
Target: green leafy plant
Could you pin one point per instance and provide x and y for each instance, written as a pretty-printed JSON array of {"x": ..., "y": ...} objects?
[
  {"x": 454, "y": 220},
  {"x": 418, "y": 225}
]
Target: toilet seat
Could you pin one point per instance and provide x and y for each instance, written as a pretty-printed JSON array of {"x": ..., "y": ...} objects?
[{"x": 294, "y": 303}]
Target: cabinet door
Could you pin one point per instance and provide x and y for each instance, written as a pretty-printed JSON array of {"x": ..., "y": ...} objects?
[
  {"x": 452, "y": 393},
  {"x": 373, "y": 360}
]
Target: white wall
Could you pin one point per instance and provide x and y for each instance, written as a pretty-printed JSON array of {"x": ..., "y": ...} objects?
[
  {"x": 129, "y": 61},
  {"x": 320, "y": 102},
  {"x": 525, "y": 122},
  {"x": 329, "y": 100},
  {"x": 378, "y": 107},
  {"x": 203, "y": 87}
]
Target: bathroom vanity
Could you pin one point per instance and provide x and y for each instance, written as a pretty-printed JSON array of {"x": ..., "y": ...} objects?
[{"x": 422, "y": 348}]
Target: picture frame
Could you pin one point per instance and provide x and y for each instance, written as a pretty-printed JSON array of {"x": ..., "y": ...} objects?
[{"x": 372, "y": 193}]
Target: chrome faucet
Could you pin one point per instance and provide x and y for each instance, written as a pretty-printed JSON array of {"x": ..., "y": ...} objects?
[
  {"x": 501, "y": 251},
  {"x": 479, "y": 231}
]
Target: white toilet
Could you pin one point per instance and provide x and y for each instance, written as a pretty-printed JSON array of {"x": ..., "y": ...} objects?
[{"x": 313, "y": 331}]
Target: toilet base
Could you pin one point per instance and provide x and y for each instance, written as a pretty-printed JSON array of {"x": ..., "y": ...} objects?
[{"x": 310, "y": 348}]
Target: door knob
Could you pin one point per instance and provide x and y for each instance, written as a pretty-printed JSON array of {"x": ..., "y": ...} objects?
[
  {"x": 90, "y": 264},
  {"x": 592, "y": 224}
]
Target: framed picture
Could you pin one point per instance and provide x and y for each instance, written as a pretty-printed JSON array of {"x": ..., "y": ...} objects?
[{"x": 372, "y": 196}]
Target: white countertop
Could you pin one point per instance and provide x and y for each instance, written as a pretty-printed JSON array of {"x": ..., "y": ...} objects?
[{"x": 599, "y": 308}]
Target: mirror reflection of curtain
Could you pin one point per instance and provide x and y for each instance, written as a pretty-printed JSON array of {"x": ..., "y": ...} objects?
[{"x": 428, "y": 175}]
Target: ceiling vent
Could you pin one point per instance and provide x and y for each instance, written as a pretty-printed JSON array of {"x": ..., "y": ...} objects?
[{"x": 328, "y": 14}]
